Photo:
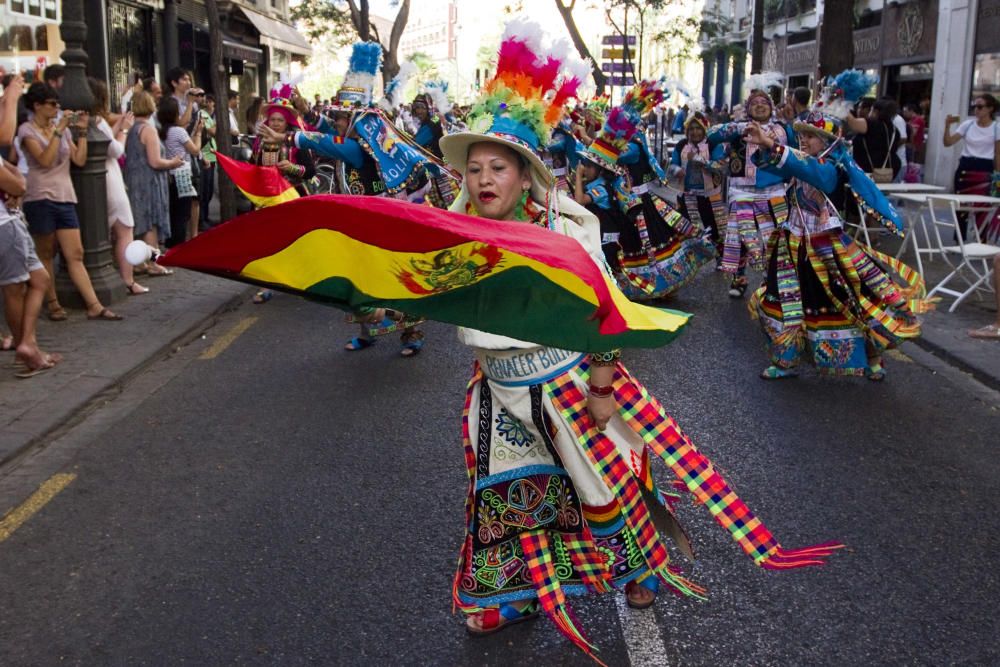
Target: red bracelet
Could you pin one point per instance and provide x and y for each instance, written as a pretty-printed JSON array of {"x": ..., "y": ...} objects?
[{"x": 601, "y": 392}]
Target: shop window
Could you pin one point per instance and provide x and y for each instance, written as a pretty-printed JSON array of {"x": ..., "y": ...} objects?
[
  {"x": 20, "y": 38},
  {"x": 42, "y": 38}
]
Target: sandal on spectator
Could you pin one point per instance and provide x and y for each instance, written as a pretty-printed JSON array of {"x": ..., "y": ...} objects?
[
  {"x": 158, "y": 271},
  {"x": 7, "y": 343},
  {"x": 989, "y": 332},
  {"x": 105, "y": 314},
  {"x": 262, "y": 296},
  {"x": 135, "y": 289},
  {"x": 57, "y": 314}
]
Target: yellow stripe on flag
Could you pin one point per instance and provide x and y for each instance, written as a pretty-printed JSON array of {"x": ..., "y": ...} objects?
[
  {"x": 264, "y": 202},
  {"x": 374, "y": 270}
]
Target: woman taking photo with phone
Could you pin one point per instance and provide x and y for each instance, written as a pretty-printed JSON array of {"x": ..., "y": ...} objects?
[
  {"x": 981, "y": 149},
  {"x": 50, "y": 203}
]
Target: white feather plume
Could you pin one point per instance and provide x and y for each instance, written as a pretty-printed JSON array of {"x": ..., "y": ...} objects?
[
  {"x": 525, "y": 30},
  {"x": 763, "y": 81},
  {"x": 394, "y": 91},
  {"x": 438, "y": 92}
]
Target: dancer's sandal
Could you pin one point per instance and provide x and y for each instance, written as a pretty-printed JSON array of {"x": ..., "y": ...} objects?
[
  {"x": 496, "y": 619},
  {"x": 358, "y": 343},
  {"x": 650, "y": 583},
  {"x": 875, "y": 372},
  {"x": 775, "y": 373},
  {"x": 413, "y": 342},
  {"x": 738, "y": 287}
]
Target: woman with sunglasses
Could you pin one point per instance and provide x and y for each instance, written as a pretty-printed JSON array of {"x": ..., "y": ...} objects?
[
  {"x": 981, "y": 150},
  {"x": 50, "y": 202}
]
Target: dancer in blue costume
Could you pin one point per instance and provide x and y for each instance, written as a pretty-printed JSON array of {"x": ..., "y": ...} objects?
[
  {"x": 826, "y": 297},
  {"x": 356, "y": 139},
  {"x": 562, "y": 154},
  {"x": 757, "y": 202},
  {"x": 701, "y": 172},
  {"x": 660, "y": 247}
]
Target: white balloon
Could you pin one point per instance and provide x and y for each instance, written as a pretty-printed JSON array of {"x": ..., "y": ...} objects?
[{"x": 138, "y": 252}]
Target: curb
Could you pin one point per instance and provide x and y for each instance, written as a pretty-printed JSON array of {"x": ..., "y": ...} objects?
[
  {"x": 942, "y": 353},
  {"x": 112, "y": 387}
]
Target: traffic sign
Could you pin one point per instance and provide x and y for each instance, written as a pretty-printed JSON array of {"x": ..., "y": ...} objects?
[
  {"x": 617, "y": 40},
  {"x": 621, "y": 79},
  {"x": 615, "y": 54},
  {"x": 617, "y": 67}
]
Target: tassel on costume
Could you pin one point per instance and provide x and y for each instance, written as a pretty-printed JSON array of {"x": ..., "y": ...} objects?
[{"x": 538, "y": 560}]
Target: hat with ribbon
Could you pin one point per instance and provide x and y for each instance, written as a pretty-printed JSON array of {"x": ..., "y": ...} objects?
[
  {"x": 829, "y": 113},
  {"x": 622, "y": 124},
  {"x": 524, "y": 100}
]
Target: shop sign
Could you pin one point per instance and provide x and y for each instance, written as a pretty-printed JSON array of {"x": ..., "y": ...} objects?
[
  {"x": 801, "y": 58},
  {"x": 868, "y": 47},
  {"x": 911, "y": 32}
]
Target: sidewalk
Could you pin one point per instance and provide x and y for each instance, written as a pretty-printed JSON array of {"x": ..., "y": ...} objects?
[
  {"x": 943, "y": 333},
  {"x": 100, "y": 356}
]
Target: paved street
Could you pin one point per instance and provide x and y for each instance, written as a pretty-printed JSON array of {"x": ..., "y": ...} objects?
[{"x": 262, "y": 497}]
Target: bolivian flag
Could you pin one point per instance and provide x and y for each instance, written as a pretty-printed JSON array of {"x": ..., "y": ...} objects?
[
  {"x": 264, "y": 186},
  {"x": 509, "y": 278}
]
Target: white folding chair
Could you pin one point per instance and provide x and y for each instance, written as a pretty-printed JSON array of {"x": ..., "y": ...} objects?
[{"x": 974, "y": 258}]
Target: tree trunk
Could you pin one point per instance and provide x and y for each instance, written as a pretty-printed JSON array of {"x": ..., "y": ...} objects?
[
  {"x": 359, "y": 17},
  {"x": 566, "y": 11},
  {"x": 757, "y": 40},
  {"x": 836, "y": 38},
  {"x": 390, "y": 63},
  {"x": 227, "y": 196}
]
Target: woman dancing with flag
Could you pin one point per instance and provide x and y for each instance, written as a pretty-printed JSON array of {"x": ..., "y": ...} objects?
[{"x": 557, "y": 442}]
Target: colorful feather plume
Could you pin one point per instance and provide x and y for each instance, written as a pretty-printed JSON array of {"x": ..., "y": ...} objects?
[
  {"x": 843, "y": 91},
  {"x": 532, "y": 82},
  {"x": 644, "y": 96},
  {"x": 363, "y": 67}
]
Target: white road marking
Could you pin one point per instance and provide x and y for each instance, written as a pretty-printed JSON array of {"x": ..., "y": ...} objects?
[{"x": 643, "y": 637}]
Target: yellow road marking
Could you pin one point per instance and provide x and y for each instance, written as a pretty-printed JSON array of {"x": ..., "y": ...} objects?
[
  {"x": 35, "y": 502},
  {"x": 226, "y": 339},
  {"x": 898, "y": 356}
]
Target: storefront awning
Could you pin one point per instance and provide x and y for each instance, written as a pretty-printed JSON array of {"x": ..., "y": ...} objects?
[
  {"x": 278, "y": 35},
  {"x": 238, "y": 51}
]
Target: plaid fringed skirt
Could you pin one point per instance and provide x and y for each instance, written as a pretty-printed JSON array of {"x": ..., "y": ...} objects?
[
  {"x": 834, "y": 302},
  {"x": 661, "y": 250},
  {"x": 556, "y": 507}
]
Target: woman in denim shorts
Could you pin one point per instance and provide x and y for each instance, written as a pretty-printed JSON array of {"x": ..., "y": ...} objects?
[{"x": 50, "y": 202}]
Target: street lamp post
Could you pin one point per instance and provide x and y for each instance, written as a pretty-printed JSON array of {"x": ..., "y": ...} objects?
[{"x": 89, "y": 181}]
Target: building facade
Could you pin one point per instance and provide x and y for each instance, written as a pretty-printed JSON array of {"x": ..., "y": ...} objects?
[
  {"x": 939, "y": 52},
  {"x": 29, "y": 34}
]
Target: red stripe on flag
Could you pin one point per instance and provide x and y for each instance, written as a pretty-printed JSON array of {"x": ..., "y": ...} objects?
[{"x": 253, "y": 179}]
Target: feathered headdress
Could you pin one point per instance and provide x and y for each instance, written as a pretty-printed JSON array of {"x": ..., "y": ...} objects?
[
  {"x": 524, "y": 100},
  {"x": 840, "y": 94},
  {"x": 623, "y": 122},
  {"x": 393, "y": 97},
  {"x": 437, "y": 91},
  {"x": 359, "y": 82},
  {"x": 757, "y": 85}
]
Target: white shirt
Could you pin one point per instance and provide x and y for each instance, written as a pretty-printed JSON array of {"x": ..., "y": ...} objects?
[
  {"x": 900, "y": 125},
  {"x": 980, "y": 142}
]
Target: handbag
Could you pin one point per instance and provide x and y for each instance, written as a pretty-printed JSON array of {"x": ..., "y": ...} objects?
[
  {"x": 882, "y": 174},
  {"x": 183, "y": 181}
]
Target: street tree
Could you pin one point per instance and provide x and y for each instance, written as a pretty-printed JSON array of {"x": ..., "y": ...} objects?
[
  {"x": 220, "y": 84},
  {"x": 566, "y": 11},
  {"x": 836, "y": 37},
  {"x": 338, "y": 20}
]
